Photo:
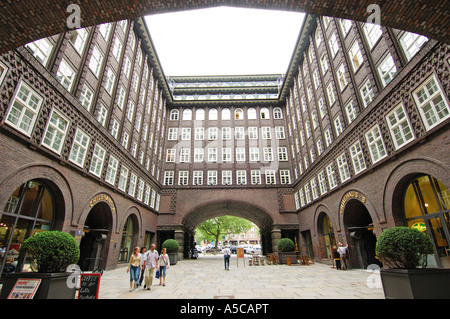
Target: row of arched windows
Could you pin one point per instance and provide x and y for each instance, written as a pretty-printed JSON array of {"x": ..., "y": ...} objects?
[{"x": 213, "y": 114}]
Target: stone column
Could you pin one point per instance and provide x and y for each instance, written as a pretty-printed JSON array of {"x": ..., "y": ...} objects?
[
  {"x": 179, "y": 237},
  {"x": 276, "y": 236}
]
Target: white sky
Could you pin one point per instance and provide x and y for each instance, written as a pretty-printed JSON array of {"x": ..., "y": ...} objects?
[{"x": 224, "y": 41}]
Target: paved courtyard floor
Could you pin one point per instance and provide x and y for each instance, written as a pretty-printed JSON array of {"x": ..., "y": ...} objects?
[{"x": 206, "y": 278}]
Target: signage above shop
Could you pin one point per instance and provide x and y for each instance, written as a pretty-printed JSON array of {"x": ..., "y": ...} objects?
[
  {"x": 103, "y": 198},
  {"x": 348, "y": 196}
]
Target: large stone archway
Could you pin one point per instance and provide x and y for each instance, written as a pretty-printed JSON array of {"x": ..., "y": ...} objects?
[{"x": 24, "y": 22}]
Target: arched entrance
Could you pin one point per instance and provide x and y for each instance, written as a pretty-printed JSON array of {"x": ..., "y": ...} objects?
[
  {"x": 129, "y": 238},
  {"x": 326, "y": 233},
  {"x": 361, "y": 239},
  {"x": 426, "y": 207},
  {"x": 95, "y": 243}
]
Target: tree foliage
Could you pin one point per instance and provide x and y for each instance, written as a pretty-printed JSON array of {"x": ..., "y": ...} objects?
[{"x": 213, "y": 229}]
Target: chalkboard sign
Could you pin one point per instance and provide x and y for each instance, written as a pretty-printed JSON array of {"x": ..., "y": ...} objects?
[{"x": 89, "y": 285}]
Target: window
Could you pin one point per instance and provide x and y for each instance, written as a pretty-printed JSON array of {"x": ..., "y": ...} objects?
[
  {"x": 344, "y": 172},
  {"x": 127, "y": 67},
  {"x": 387, "y": 70},
  {"x": 432, "y": 104},
  {"x": 375, "y": 144},
  {"x": 79, "y": 147},
  {"x": 198, "y": 178},
  {"x": 101, "y": 115},
  {"x": 297, "y": 201},
  {"x": 185, "y": 155},
  {"x": 338, "y": 126},
  {"x": 212, "y": 114},
  {"x": 352, "y": 113},
  {"x": 357, "y": 157},
  {"x": 270, "y": 177},
  {"x": 253, "y": 133},
  {"x": 314, "y": 189},
  {"x": 316, "y": 79},
  {"x": 24, "y": 109},
  {"x": 111, "y": 171},
  {"x": 307, "y": 194},
  {"x": 346, "y": 25},
  {"x": 168, "y": 178},
  {"x": 98, "y": 157},
  {"x": 86, "y": 96},
  {"x": 200, "y": 114},
  {"x": 324, "y": 63},
  {"x": 187, "y": 115},
  {"x": 399, "y": 126},
  {"x": 279, "y": 133},
  {"x": 40, "y": 49},
  {"x": 312, "y": 154},
  {"x": 212, "y": 133},
  {"x": 334, "y": 46},
  {"x": 328, "y": 138},
  {"x": 55, "y": 132},
  {"x": 277, "y": 113},
  {"x": 199, "y": 133},
  {"x": 183, "y": 177},
  {"x": 226, "y": 114},
  {"x": 121, "y": 97},
  {"x": 226, "y": 154},
  {"x": 186, "y": 134},
  {"x": 282, "y": 154},
  {"x": 319, "y": 146},
  {"x": 125, "y": 138},
  {"x": 123, "y": 178},
  {"x": 373, "y": 33},
  {"x": 104, "y": 30},
  {"x": 109, "y": 81},
  {"x": 330, "y": 94},
  {"x": 117, "y": 49},
  {"x": 3, "y": 70},
  {"x": 170, "y": 155},
  {"x": 268, "y": 155},
  {"x": 130, "y": 111},
  {"x": 148, "y": 189},
  {"x": 212, "y": 177},
  {"x": 266, "y": 135},
  {"x": 239, "y": 133},
  {"x": 226, "y": 177},
  {"x": 198, "y": 155},
  {"x": 239, "y": 114},
  {"x": 318, "y": 37},
  {"x": 133, "y": 149},
  {"x": 412, "y": 43},
  {"x": 212, "y": 154},
  {"x": 255, "y": 177},
  {"x": 240, "y": 154},
  {"x": 285, "y": 176},
  {"x": 332, "y": 180},
  {"x": 322, "y": 183},
  {"x": 241, "y": 177},
  {"x": 174, "y": 115},
  {"x": 226, "y": 133},
  {"x": 254, "y": 154},
  {"x": 367, "y": 93},
  {"x": 355, "y": 56},
  {"x": 301, "y": 194},
  {"x": 264, "y": 113},
  {"x": 152, "y": 199},
  {"x": 140, "y": 190},
  {"x": 132, "y": 185},
  {"x": 173, "y": 134},
  {"x": 65, "y": 75},
  {"x": 341, "y": 77},
  {"x": 95, "y": 62}
]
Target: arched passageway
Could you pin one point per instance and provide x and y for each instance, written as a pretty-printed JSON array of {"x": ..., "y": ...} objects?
[{"x": 26, "y": 22}]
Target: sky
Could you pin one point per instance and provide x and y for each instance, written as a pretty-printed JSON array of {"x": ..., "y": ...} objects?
[{"x": 224, "y": 41}]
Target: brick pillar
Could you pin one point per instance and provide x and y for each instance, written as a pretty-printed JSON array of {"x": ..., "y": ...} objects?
[
  {"x": 179, "y": 237},
  {"x": 276, "y": 236}
]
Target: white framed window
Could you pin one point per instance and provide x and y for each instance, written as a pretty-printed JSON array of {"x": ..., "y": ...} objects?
[
  {"x": 65, "y": 75},
  {"x": 212, "y": 133},
  {"x": 411, "y": 43},
  {"x": 121, "y": 97},
  {"x": 277, "y": 113},
  {"x": 79, "y": 148},
  {"x": 372, "y": 32},
  {"x": 127, "y": 67},
  {"x": 270, "y": 177},
  {"x": 212, "y": 114},
  {"x": 341, "y": 77},
  {"x": 318, "y": 37},
  {"x": 185, "y": 155},
  {"x": 240, "y": 154},
  {"x": 252, "y": 133},
  {"x": 86, "y": 96},
  {"x": 125, "y": 138},
  {"x": 212, "y": 154},
  {"x": 109, "y": 81},
  {"x": 101, "y": 115},
  {"x": 24, "y": 109},
  {"x": 170, "y": 155},
  {"x": 226, "y": 133},
  {"x": 199, "y": 133},
  {"x": 56, "y": 131},
  {"x": 324, "y": 63},
  {"x": 132, "y": 185},
  {"x": 367, "y": 93},
  {"x": 95, "y": 62},
  {"x": 198, "y": 178},
  {"x": 239, "y": 133},
  {"x": 173, "y": 134},
  {"x": 174, "y": 115},
  {"x": 307, "y": 194},
  {"x": 357, "y": 157},
  {"x": 356, "y": 57},
  {"x": 200, "y": 114},
  {"x": 319, "y": 145},
  {"x": 123, "y": 177},
  {"x": 344, "y": 172},
  {"x": 255, "y": 176},
  {"x": 187, "y": 115},
  {"x": 399, "y": 127},
  {"x": 147, "y": 191},
  {"x": 186, "y": 134},
  {"x": 117, "y": 48},
  {"x": 285, "y": 176},
  {"x": 140, "y": 190},
  {"x": 198, "y": 155},
  {"x": 338, "y": 125},
  {"x": 266, "y": 134},
  {"x": 241, "y": 177},
  {"x": 130, "y": 111},
  {"x": 315, "y": 119},
  {"x": 254, "y": 154},
  {"x": 212, "y": 177},
  {"x": 264, "y": 113},
  {"x": 387, "y": 70},
  {"x": 334, "y": 46},
  {"x": 316, "y": 80},
  {"x": 105, "y": 29},
  {"x": 330, "y": 94},
  {"x": 312, "y": 154},
  {"x": 314, "y": 188},
  {"x": 346, "y": 25},
  {"x": 282, "y": 154},
  {"x": 226, "y": 154},
  {"x": 183, "y": 177},
  {"x": 152, "y": 199},
  {"x": 279, "y": 133},
  {"x": 268, "y": 154},
  {"x": 111, "y": 171},
  {"x": 41, "y": 50},
  {"x": 168, "y": 178},
  {"x": 431, "y": 102},
  {"x": 328, "y": 137},
  {"x": 351, "y": 111},
  {"x": 375, "y": 143},
  {"x": 3, "y": 70},
  {"x": 98, "y": 157},
  {"x": 332, "y": 180},
  {"x": 226, "y": 114},
  {"x": 301, "y": 194},
  {"x": 239, "y": 114},
  {"x": 322, "y": 183},
  {"x": 297, "y": 201}
]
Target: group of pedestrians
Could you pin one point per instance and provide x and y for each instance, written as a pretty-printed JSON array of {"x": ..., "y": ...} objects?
[
  {"x": 340, "y": 256},
  {"x": 143, "y": 265}
]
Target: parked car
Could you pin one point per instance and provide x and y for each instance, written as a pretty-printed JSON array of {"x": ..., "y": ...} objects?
[
  {"x": 233, "y": 249},
  {"x": 256, "y": 250}
]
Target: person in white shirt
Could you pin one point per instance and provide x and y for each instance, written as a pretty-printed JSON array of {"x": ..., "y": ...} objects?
[
  {"x": 164, "y": 264},
  {"x": 150, "y": 264},
  {"x": 226, "y": 256},
  {"x": 343, "y": 255}
]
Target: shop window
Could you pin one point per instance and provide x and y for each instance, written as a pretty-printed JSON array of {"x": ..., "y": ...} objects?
[{"x": 127, "y": 239}]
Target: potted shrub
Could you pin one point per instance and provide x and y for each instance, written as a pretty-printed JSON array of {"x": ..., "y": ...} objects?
[
  {"x": 286, "y": 247},
  {"x": 52, "y": 252},
  {"x": 402, "y": 250},
  {"x": 172, "y": 250}
]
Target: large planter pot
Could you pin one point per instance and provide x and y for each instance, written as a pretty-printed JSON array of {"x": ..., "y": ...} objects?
[
  {"x": 282, "y": 257},
  {"x": 428, "y": 283},
  {"x": 173, "y": 258},
  {"x": 52, "y": 286}
]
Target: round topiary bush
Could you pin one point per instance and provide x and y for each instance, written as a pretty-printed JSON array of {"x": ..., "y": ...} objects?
[
  {"x": 403, "y": 248},
  {"x": 285, "y": 244},
  {"x": 52, "y": 251},
  {"x": 171, "y": 245}
]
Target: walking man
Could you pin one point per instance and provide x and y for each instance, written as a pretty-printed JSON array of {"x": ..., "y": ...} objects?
[
  {"x": 343, "y": 255},
  {"x": 226, "y": 257},
  {"x": 150, "y": 264}
]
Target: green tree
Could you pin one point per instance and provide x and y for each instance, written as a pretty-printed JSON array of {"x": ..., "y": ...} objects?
[{"x": 215, "y": 228}]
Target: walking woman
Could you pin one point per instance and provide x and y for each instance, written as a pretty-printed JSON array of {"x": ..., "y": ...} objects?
[
  {"x": 134, "y": 267},
  {"x": 164, "y": 264},
  {"x": 141, "y": 278}
]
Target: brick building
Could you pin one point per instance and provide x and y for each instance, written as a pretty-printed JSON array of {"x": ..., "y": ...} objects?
[{"x": 97, "y": 142}]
